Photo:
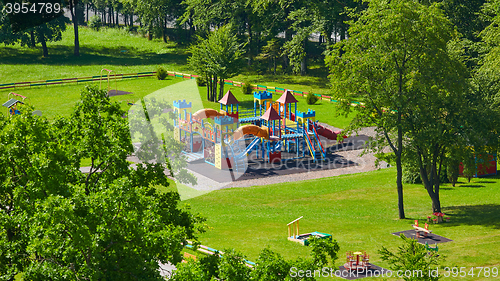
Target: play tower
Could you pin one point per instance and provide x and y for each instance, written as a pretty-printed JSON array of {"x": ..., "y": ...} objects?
[{"x": 273, "y": 131}]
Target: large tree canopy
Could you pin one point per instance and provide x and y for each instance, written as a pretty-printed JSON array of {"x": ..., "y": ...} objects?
[
  {"x": 399, "y": 62},
  {"x": 217, "y": 58},
  {"x": 57, "y": 223}
]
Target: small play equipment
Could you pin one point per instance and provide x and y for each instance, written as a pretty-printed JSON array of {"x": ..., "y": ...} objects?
[
  {"x": 425, "y": 230},
  {"x": 360, "y": 263},
  {"x": 210, "y": 251},
  {"x": 293, "y": 234},
  {"x": 272, "y": 131},
  {"x": 12, "y": 103},
  {"x": 115, "y": 92},
  {"x": 430, "y": 249}
]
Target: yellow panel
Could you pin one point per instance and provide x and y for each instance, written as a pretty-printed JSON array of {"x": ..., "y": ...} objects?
[{"x": 218, "y": 153}]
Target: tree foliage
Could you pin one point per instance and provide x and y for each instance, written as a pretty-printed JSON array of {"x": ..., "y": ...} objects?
[
  {"x": 270, "y": 266},
  {"x": 412, "y": 256},
  {"x": 217, "y": 58},
  {"x": 413, "y": 84},
  {"x": 58, "y": 223}
]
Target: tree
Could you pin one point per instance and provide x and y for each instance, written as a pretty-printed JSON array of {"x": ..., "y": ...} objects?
[
  {"x": 217, "y": 58},
  {"x": 58, "y": 223},
  {"x": 393, "y": 67},
  {"x": 73, "y": 6},
  {"x": 413, "y": 257},
  {"x": 41, "y": 28},
  {"x": 272, "y": 51},
  {"x": 270, "y": 266}
]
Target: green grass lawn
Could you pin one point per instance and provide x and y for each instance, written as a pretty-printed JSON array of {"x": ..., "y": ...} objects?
[
  {"x": 128, "y": 53},
  {"x": 109, "y": 48},
  {"x": 60, "y": 99},
  {"x": 359, "y": 210}
]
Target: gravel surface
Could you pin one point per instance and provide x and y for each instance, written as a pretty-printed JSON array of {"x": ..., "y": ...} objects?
[{"x": 365, "y": 163}]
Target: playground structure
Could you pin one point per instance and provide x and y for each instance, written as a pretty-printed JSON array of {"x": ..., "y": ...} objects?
[
  {"x": 210, "y": 251},
  {"x": 108, "y": 76},
  {"x": 430, "y": 249},
  {"x": 111, "y": 75},
  {"x": 425, "y": 230},
  {"x": 226, "y": 137},
  {"x": 12, "y": 103},
  {"x": 360, "y": 263},
  {"x": 295, "y": 236}
]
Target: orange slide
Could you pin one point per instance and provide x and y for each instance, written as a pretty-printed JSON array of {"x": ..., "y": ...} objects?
[
  {"x": 206, "y": 113},
  {"x": 250, "y": 130}
]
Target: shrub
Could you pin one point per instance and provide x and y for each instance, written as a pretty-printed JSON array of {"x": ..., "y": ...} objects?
[
  {"x": 161, "y": 73},
  {"x": 246, "y": 87},
  {"x": 201, "y": 81},
  {"x": 95, "y": 22},
  {"x": 311, "y": 98}
]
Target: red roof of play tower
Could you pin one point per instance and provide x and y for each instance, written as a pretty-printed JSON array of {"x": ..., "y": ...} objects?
[
  {"x": 271, "y": 114},
  {"x": 228, "y": 99},
  {"x": 287, "y": 97}
]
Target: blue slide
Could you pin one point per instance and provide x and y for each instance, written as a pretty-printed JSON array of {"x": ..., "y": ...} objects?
[{"x": 249, "y": 148}]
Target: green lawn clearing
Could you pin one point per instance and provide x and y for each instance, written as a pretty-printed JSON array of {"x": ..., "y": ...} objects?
[
  {"x": 109, "y": 48},
  {"x": 359, "y": 210}
]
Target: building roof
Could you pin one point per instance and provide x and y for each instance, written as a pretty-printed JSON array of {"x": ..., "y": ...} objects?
[
  {"x": 228, "y": 99},
  {"x": 271, "y": 114},
  {"x": 287, "y": 97}
]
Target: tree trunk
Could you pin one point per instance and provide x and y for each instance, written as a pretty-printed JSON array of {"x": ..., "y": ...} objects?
[
  {"x": 399, "y": 176},
  {"x": 208, "y": 87},
  {"x": 164, "y": 31},
  {"x": 250, "y": 39},
  {"x": 117, "y": 19},
  {"x": 32, "y": 39},
  {"x": 221, "y": 89},
  {"x": 45, "y": 51},
  {"x": 286, "y": 59},
  {"x": 87, "y": 14},
  {"x": 150, "y": 33},
  {"x": 74, "y": 18},
  {"x": 274, "y": 61},
  {"x": 214, "y": 90}
]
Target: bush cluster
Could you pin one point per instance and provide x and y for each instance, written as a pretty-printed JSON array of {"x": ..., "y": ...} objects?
[
  {"x": 95, "y": 22},
  {"x": 201, "y": 81},
  {"x": 161, "y": 73},
  {"x": 311, "y": 98},
  {"x": 246, "y": 87}
]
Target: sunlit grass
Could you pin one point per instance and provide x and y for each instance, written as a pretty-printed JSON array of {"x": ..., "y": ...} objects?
[{"x": 359, "y": 210}]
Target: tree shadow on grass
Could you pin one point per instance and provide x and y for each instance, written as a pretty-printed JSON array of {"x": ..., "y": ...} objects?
[
  {"x": 117, "y": 55},
  {"x": 472, "y": 185},
  {"x": 487, "y": 215}
]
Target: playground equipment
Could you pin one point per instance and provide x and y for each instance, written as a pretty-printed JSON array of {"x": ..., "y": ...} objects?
[
  {"x": 293, "y": 234},
  {"x": 430, "y": 249},
  {"x": 12, "y": 103},
  {"x": 360, "y": 263},
  {"x": 419, "y": 229},
  {"x": 274, "y": 130},
  {"x": 115, "y": 92},
  {"x": 210, "y": 251}
]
